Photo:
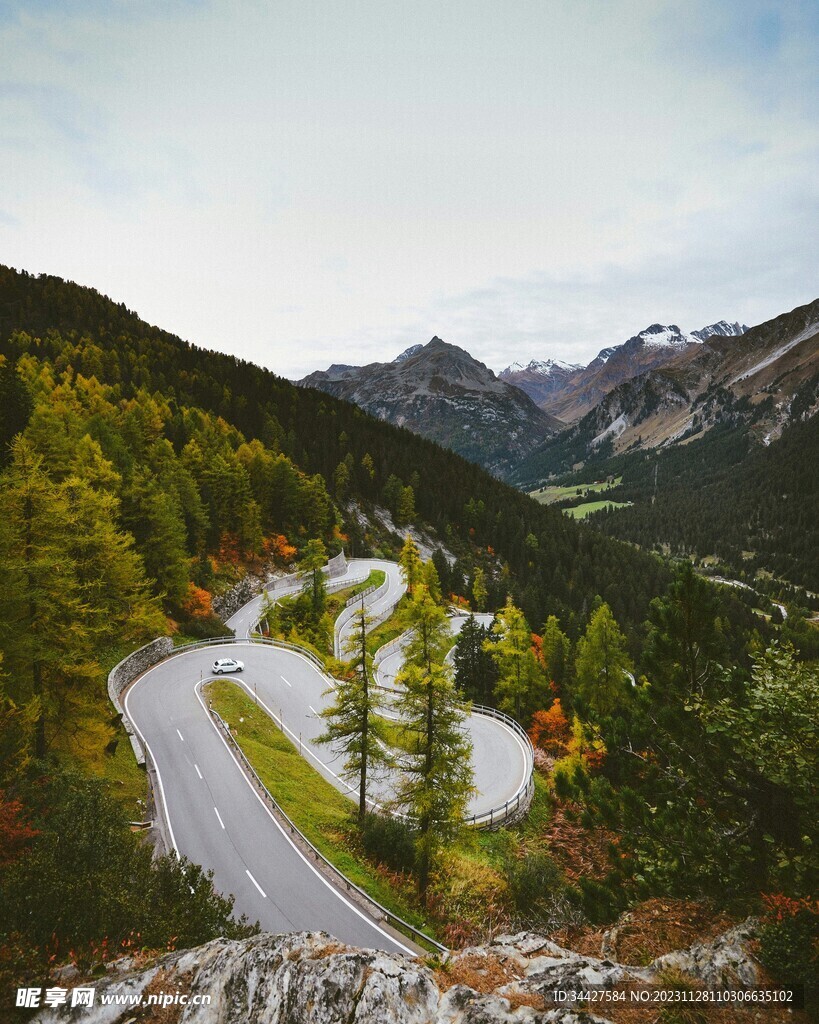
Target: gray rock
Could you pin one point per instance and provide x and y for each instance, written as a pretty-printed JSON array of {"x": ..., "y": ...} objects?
[
  {"x": 310, "y": 978},
  {"x": 724, "y": 961}
]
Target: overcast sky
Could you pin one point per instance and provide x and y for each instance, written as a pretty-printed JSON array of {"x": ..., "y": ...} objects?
[{"x": 318, "y": 181}]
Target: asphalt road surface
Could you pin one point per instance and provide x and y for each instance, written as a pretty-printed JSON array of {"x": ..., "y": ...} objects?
[{"x": 215, "y": 817}]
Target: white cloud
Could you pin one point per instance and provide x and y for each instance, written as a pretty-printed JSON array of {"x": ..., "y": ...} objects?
[{"x": 313, "y": 182}]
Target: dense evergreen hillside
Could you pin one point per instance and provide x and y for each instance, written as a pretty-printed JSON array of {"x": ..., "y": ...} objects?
[
  {"x": 149, "y": 375},
  {"x": 752, "y": 506}
]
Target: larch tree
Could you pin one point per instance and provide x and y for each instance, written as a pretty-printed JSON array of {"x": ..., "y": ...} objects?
[
  {"x": 479, "y": 590},
  {"x": 354, "y": 726},
  {"x": 411, "y": 564},
  {"x": 73, "y": 584},
  {"x": 45, "y": 628},
  {"x": 602, "y": 663},
  {"x": 310, "y": 567},
  {"x": 436, "y": 779},
  {"x": 520, "y": 688},
  {"x": 431, "y": 580}
]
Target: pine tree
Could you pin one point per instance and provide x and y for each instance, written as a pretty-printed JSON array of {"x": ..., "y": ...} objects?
[
  {"x": 556, "y": 651},
  {"x": 354, "y": 726},
  {"x": 602, "y": 663},
  {"x": 684, "y": 643},
  {"x": 405, "y": 510},
  {"x": 393, "y": 489},
  {"x": 155, "y": 518},
  {"x": 15, "y": 407},
  {"x": 411, "y": 564},
  {"x": 436, "y": 781},
  {"x": 444, "y": 572},
  {"x": 475, "y": 671},
  {"x": 341, "y": 479}
]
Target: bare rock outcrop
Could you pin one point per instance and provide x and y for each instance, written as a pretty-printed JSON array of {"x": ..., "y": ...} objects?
[{"x": 310, "y": 978}]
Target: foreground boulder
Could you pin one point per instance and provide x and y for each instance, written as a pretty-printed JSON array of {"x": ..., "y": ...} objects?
[{"x": 310, "y": 978}]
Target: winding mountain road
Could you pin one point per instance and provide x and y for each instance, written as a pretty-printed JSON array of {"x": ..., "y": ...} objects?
[{"x": 216, "y": 818}]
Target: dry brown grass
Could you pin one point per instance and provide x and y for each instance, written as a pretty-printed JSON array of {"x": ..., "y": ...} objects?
[
  {"x": 167, "y": 982},
  {"x": 579, "y": 851},
  {"x": 533, "y": 999},
  {"x": 649, "y": 930},
  {"x": 330, "y": 949},
  {"x": 483, "y": 973}
]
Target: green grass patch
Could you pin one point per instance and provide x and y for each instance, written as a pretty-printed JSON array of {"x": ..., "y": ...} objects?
[
  {"x": 320, "y": 811},
  {"x": 394, "y": 626},
  {"x": 338, "y": 599},
  {"x": 581, "y": 511},
  {"x": 561, "y": 492}
]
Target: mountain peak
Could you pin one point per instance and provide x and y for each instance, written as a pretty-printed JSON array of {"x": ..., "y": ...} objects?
[
  {"x": 440, "y": 391},
  {"x": 662, "y": 335},
  {"x": 544, "y": 367},
  {"x": 408, "y": 353},
  {"x": 721, "y": 329}
]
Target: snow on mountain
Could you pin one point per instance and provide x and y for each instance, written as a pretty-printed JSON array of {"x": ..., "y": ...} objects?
[
  {"x": 721, "y": 329},
  {"x": 408, "y": 353},
  {"x": 544, "y": 367},
  {"x": 661, "y": 336}
]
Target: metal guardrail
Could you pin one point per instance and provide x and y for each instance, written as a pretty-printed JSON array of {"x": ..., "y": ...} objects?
[
  {"x": 295, "y": 582},
  {"x": 217, "y": 641},
  {"x": 387, "y": 915},
  {"x": 362, "y": 594},
  {"x": 295, "y": 588},
  {"x": 385, "y": 650},
  {"x": 500, "y": 813},
  {"x": 486, "y": 819},
  {"x": 349, "y": 612},
  {"x": 495, "y": 815}
]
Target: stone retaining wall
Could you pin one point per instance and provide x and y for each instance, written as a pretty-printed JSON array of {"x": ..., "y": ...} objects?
[
  {"x": 231, "y": 601},
  {"x": 126, "y": 671},
  {"x": 227, "y": 604}
]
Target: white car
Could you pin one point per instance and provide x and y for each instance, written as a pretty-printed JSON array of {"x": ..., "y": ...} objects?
[{"x": 227, "y": 665}]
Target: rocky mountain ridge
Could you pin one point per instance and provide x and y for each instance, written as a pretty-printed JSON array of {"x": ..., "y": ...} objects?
[
  {"x": 721, "y": 329},
  {"x": 439, "y": 391},
  {"x": 569, "y": 391},
  {"x": 310, "y": 978},
  {"x": 726, "y": 380},
  {"x": 540, "y": 379},
  {"x": 652, "y": 348}
]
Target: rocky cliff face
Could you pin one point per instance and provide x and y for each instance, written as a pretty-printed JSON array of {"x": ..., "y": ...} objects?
[
  {"x": 309, "y": 978},
  {"x": 441, "y": 392}
]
